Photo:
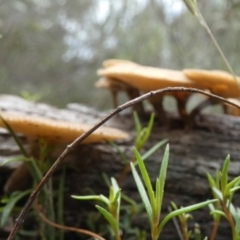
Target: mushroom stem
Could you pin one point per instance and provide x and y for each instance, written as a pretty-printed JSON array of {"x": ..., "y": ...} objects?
[
  {"x": 19, "y": 180},
  {"x": 132, "y": 94},
  {"x": 207, "y": 102},
  {"x": 156, "y": 102}
]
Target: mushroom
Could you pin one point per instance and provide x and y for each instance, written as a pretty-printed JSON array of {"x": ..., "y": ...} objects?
[
  {"x": 55, "y": 133},
  {"x": 231, "y": 110},
  {"x": 147, "y": 79},
  {"x": 218, "y": 82},
  {"x": 115, "y": 86},
  {"x": 112, "y": 62}
]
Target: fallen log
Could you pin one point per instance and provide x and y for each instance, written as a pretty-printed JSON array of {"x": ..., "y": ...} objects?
[{"x": 193, "y": 153}]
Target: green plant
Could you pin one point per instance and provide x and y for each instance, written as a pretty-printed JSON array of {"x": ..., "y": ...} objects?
[
  {"x": 31, "y": 97},
  {"x": 223, "y": 191},
  {"x": 112, "y": 209},
  {"x": 142, "y": 135},
  {"x": 37, "y": 169},
  {"x": 153, "y": 199}
]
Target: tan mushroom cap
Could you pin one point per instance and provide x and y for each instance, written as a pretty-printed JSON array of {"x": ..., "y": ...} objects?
[
  {"x": 113, "y": 62},
  {"x": 217, "y": 81},
  {"x": 58, "y": 131},
  {"x": 112, "y": 84},
  {"x": 147, "y": 78}
]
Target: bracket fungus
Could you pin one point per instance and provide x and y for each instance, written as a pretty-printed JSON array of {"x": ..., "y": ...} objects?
[
  {"x": 124, "y": 75},
  {"x": 55, "y": 133},
  {"x": 217, "y": 82}
]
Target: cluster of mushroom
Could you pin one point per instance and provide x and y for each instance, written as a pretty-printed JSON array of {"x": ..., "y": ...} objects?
[{"x": 121, "y": 75}]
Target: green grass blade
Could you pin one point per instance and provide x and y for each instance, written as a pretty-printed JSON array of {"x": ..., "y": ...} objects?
[
  {"x": 184, "y": 210},
  {"x": 148, "y": 128},
  {"x": 109, "y": 218},
  {"x": 218, "y": 213},
  {"x": 138, "y": 126},
  {"x": 93, "y": 197},
  {"x": 121, "y": 153},
  {"x": 15, "y": 197},
  {"x": 234, "y": 183},
  {"x": 14, "y": 159},
  {"x": 16, "y": 139},
  {"x": 146, "y": 178},
  {"x": 211, "y": 181},
  {"x": 162, "y": 176},
  {"x": 218, "y": 193},
  {"x": 158, "y": 198},
  {"x": 142, "y": 193},
  {"x": 224, "y": 177},
  {"x": 191, "y": 5},
  {"x": 153, "y": 149}
]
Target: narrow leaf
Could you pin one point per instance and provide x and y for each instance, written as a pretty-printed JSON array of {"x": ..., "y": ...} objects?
[
  {"x": 163, "y": 174},
  {"x": 146, "y": 178},
  {"x": 93, "y": 197},
  {"x": 224, "y": 177},
  {"x": 16, "y": 138},
  {"x": 137, "y": 123},
  {"x": 218, "y": 213},
  {"x": 10, "y": 205},
  {"x": 109, "y": 217},
  {"x": 148, "y": 128},
  {"x": 191, "y": 5},
  {"x": 153, "y": 149},
  {"x": 184, "y": 210},
  {"x": 142, "y": 193}
]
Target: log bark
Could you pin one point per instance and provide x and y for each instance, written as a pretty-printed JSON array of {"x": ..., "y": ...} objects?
[{"x": 193, "y": 153}]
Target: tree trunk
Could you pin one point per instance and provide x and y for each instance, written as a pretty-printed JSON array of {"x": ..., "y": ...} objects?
[{"x": 193, "y": 153}]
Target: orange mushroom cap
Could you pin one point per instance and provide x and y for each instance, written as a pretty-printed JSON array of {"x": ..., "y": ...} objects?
[
  {"x": 147, "y": 78},
  {"x": 112, "y": 62},
  {"x": 218, "y": 82},
  {"x": 57, "y": 131}
]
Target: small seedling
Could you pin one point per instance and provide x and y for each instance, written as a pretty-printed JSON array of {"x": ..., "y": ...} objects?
[
  {"x": 112, "y": 209},
  {"x": 153, "y": 199},
  {"x": 223, "y": 191}
]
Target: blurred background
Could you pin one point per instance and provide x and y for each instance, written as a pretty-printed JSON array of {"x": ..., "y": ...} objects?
[{"x": 52, "y": 48}]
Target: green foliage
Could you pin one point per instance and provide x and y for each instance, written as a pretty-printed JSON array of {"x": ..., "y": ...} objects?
[
  {"x": 37, "y": 169},
  {"x": 10, "y": 202},
  {"x": 152, "y": 199},
  {"x": 111, "y": 212},
  {"x": 31, "y": 97},
  {"x": 223, "y": 190}
]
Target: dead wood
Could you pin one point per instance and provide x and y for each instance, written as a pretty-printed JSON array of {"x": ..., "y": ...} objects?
[{"x": 192, "y": 153}]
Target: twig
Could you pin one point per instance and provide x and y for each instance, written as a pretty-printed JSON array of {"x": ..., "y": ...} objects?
[
  {"x": 70, "y": 147},
  {"x": 79, "y": 230}
]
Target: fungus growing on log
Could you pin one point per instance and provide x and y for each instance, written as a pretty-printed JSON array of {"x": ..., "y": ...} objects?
[
  {"x": 217, "y": 82},
  {"x": 147, "y": 78},
  {"x": 55, "y": 133},
  {"x": 115, "y": 86},
  {"x": 143, "y": 78},
  {"x": 112, "y": 62}
]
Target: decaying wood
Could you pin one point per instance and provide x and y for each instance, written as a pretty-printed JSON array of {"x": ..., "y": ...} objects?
[{"x": 192, "y": 154}]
